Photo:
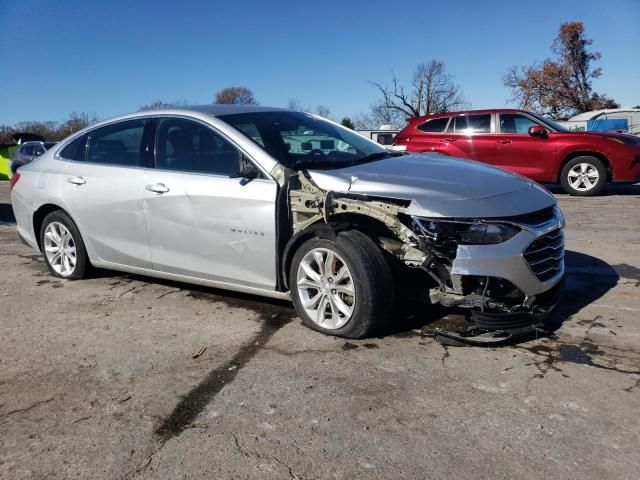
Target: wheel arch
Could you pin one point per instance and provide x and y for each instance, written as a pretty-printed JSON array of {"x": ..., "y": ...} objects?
[
  {"x": 585, "y": 153},
  {"x": 371, "y": 227},
  {"x": 39, "y": 216}
]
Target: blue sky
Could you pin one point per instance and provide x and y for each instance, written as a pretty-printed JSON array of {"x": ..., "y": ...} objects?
[{"x": 111, "y": 56}]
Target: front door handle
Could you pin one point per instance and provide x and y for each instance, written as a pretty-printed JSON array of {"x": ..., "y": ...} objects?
[
  {"x": 157, "y": 188},
  {"x": 504, "y": 141},
  {"x": 77, "y": 180},
  {"x": 450, "y": 139}
]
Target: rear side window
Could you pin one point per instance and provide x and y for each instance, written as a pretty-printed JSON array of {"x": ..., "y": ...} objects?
[
  {"x": 469, "y": 124},
  {"x": 74, "y": 150},
  {"x": 437, "y": 125},
  {"x": 117, "y": 144},
  {"x": 187, "y": 146},
  {"x": 26, "y": 150}
]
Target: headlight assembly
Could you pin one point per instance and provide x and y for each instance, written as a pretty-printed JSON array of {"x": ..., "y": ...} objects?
[{"x": 465, "y": 232}]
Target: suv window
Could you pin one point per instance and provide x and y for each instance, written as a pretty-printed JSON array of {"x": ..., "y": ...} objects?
[
  {"x": 468, "y": 124},
  {"x": 184, "y": 145},
  {"x": 436, "y": 125},
  {"x": 117, "y": 144},
  {"x": 515, "y": 123},
  {"x": 38, "y": 150}
]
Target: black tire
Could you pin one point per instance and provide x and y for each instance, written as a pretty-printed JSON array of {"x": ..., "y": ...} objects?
[
  {"x": 372, "y": 281},
  {"x": 83, "y": 266},
  {"x": 591, "y": 161}
]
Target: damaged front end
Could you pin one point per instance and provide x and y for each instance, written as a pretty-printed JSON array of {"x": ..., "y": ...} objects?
[{"x": 507, "y": 272}]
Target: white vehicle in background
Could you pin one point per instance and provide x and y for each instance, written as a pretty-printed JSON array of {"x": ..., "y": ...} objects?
[
  {"x": 615, "y": 120},
  {"x": 384, "y": 135}
]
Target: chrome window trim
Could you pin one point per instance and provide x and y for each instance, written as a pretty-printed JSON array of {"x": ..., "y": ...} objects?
[
  {"x": 492, "y": 125},
  {"x": 87, "y": 132}
]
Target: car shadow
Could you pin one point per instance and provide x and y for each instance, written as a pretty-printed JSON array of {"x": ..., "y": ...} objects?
[
  {"x": 6, "y": 213},
  {"x": 587, "y": 279},
  {"x": 609, "y": 190}
]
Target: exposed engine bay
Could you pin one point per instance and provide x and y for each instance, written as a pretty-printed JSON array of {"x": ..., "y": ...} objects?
[{"x": 498, "y": 310}]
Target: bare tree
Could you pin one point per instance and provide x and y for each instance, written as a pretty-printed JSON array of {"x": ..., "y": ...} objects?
[
  {"x": 320, "y": 110},
  {"x": 295, "y": 104},
  {"x": 432, "y": 90},
  {"x": 74, "y": 122},
  {"x": 378, "y": 116},
  {"x": 160, "y": 104},
  {"x": 236, "y": 96},
  {"x": 323, "y": 111}
]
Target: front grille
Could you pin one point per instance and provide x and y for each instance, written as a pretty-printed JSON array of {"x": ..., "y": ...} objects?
[
  {"x": 545, "y": 255},
  {"x": 534, "y": 218}
]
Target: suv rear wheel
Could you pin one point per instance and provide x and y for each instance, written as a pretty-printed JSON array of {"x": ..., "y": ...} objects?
[
  {"x": 583, "y": 176},
  {"x": 342, "y": 287}
]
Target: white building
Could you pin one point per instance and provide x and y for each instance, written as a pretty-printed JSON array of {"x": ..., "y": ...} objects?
[{"x": 621, "y": 120}]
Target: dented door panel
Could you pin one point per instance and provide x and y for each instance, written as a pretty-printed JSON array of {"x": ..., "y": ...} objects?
[{"x": 212, "y": 227}]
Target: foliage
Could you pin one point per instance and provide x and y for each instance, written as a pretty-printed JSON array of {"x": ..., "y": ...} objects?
[
  {"x": 561, "y": 86},
  {"x": 52, "y": 131},
  {"x": 346, "y": 122},
  {"x": 235, "y": 96}
]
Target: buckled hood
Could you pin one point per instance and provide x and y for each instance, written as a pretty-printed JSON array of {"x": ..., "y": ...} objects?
[{"x": 439, "y": 186}]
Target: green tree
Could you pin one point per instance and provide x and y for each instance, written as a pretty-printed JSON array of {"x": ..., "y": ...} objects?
[{"x": 346, "y": 122}]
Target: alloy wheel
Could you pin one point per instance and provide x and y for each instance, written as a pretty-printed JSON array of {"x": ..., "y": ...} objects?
[
  {"x": 583, "y": 177},
  {"x": 60, "y": 249},
  {"x": 326, "y": 288}
]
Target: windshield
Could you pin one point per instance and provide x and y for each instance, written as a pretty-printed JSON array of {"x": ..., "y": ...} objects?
[
  {"x": 302, "y": 140},
  {"x": 550, "y": 123}
]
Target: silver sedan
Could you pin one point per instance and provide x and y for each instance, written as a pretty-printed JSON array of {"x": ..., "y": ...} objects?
[{"x": 289, "y": 205}]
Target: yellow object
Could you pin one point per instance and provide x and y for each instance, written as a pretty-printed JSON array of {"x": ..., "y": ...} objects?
[{"x": 5, "y": 156}]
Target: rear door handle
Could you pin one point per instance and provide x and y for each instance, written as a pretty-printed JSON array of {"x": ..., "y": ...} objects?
[
  {"x": 77, "y": 180},
  {"x": 504, "y": 141},
  {"x": 157, "y": 188},
  {"x": 450, "y": 139}
]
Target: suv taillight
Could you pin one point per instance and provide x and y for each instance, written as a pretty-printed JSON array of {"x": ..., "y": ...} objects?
[{"x": 14, "y": 179}]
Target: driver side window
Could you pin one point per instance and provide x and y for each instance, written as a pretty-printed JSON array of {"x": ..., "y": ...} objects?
[
  {"x": 515, "y": 123},
  {"x": 188, "y": 146}
]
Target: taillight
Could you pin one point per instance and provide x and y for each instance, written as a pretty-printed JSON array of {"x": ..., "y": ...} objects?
[{"x": 14, "y": 180}]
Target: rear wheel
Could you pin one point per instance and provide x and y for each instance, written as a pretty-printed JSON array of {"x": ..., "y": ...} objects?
[
  {"x": 342, "y": 287},
  {"x": 62, "y": 246},
  {"x": 583, "y": 176}
]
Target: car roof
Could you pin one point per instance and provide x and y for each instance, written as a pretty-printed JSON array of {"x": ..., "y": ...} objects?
[
  {"x": 214, "y": 109},
  {"x": 468, "y": 112}
]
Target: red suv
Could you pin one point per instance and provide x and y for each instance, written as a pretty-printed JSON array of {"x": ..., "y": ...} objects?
[{"x": 525, "y": 143}]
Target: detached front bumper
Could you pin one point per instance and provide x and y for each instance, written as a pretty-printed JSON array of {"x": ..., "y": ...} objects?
[
  {"x": 500, "y": 328},
  {"x": 510, "y": 287}
]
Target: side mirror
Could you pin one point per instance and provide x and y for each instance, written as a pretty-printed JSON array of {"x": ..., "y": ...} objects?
[
  {"x": 537, "y": 131},
  {"x": 248, "y": 170}
]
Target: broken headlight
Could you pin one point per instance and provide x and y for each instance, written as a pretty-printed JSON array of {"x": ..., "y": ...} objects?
[{"x": 465, "y": 232}]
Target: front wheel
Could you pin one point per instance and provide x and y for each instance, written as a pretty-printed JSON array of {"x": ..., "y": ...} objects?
[
  {"x": 583, "y": 176},
  {"x": 342, "y": 287}
]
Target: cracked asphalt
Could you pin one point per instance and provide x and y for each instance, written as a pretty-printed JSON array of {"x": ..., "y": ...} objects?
[{"x": 98, "y": 379}]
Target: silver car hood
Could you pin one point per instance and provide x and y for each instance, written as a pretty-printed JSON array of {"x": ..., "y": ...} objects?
[{"x": 439, "y": 186}]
